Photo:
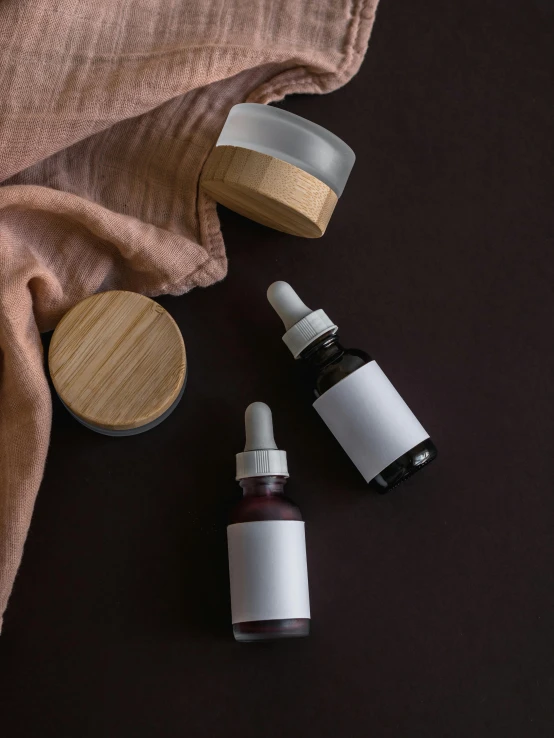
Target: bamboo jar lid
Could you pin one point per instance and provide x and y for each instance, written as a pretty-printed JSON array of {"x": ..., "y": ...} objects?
[
  {"x": 270, "y": 191},
  {"x": 278, "y": 169},
  {"x": 118, "y": 363}
]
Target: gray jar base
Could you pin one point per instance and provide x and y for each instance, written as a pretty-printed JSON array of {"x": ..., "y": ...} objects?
[{"x": 130, "y": 431}]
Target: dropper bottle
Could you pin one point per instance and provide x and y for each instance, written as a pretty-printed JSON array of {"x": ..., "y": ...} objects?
[
  {"x": 266, "y": 541},
  {"x": 358, "y": 403}
]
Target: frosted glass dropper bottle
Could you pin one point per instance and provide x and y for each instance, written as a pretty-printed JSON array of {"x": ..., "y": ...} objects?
[
  {"x": 358, "y": 403},
  {"x": 267, "y": 547}
]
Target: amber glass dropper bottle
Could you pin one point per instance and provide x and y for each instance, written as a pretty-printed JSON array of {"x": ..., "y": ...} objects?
[
  {"x": 267, "y": 546},
  {"x": 358, "y": 403}
]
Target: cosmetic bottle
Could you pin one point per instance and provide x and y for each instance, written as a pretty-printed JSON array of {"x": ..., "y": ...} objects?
[
  {"x": 358, "y": 403},
  {"x": 267, "y": 548}
]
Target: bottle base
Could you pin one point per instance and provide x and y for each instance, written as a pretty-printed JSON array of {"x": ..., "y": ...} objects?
[
  {"x": 405, "y": 467},
  {"x": 271, "y": 630}
]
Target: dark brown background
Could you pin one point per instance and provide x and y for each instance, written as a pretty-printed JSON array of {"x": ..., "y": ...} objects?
[{"x": 433, "y": 606}]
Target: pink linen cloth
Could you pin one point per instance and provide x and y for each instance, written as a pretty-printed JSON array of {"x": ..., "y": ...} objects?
[{"x": 108, "y": 111}]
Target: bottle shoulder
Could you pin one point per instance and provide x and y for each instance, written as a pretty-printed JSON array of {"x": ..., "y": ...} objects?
[
  {"x": 257, "y": 507},
  {"x": 335, "y": 371}
]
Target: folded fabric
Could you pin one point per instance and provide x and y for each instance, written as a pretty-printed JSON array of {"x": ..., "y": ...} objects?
[{"x": 108, "y": 111}]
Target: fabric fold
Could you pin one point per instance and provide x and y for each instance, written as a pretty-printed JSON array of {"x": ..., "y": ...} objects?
[{"x": 107, "y": 115}]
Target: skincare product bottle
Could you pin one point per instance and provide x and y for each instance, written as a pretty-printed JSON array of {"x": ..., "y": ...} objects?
[
  {"x": 267, "y": 547},
  {"x": 358, "y": 403}
]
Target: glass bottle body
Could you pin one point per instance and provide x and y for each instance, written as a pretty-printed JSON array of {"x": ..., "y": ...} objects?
[
  {"x": 328, "y": 363},
  {"x": 264, "y": 499}
]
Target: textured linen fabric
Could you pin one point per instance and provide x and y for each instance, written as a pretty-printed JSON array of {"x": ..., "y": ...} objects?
[{"x": 108, "y": 111}]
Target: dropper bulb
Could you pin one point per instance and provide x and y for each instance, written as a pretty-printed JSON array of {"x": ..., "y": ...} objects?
[
  {"x": 258, "y": 422},
  {"x": 286, "y": 303}
]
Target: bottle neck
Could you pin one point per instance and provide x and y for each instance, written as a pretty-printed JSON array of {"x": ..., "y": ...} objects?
[
  {"x": 325, "y": 350},
  {"x": 263, "y": 486}
]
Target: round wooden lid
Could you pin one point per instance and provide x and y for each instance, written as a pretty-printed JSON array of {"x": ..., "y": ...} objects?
[
  {"x": 269, "y": 191},
  {"x": 117, "y": 360}
]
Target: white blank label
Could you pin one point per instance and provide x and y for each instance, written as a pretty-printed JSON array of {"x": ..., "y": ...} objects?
[
  {"x": 268, "y": 571},
  {"x": 370, "y": 420}
]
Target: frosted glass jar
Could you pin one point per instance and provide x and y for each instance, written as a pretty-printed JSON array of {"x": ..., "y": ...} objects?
[
  {"x": 118, "y": 363},
  {"x": 278, "y": 169}
]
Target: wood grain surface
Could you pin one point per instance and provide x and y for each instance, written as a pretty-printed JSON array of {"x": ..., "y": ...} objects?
[
  {"x": 117, "y": 360},
  {"x": 269, "y": 191}
]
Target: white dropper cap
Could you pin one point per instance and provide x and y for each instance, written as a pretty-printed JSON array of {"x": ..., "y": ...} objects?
[
  {"x": 260, "y": 457},
  {"x": 303, "y": 326}
]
